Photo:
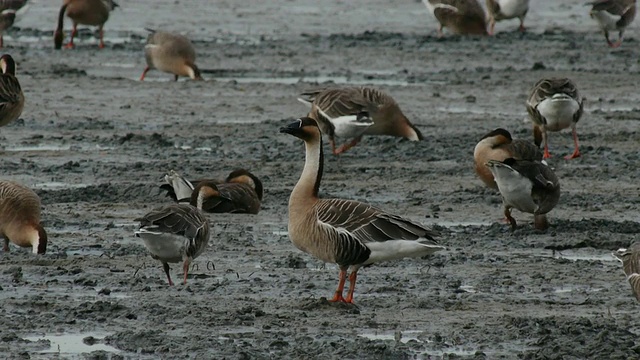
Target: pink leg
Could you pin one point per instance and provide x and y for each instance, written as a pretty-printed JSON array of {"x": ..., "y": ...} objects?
[
  {"x": 352, "y": 286},
  {"x": 144, "y": 73},
  {"x": 185, "y": 269},
  {"x": 338, "y": 295},
  {"x": 345, "y": 147},
  {"x": 492, "y": 25},
  {"x": 101, "y": 45},
  {"x": 70, "y": 45}
]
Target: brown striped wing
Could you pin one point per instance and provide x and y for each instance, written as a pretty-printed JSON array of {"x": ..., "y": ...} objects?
[{"x": 631, "y": 266}]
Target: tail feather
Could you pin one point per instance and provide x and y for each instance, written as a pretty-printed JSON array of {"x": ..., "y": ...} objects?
[
  {"x": 305, "y": 101},
  {"x": 182, "y": 188}
]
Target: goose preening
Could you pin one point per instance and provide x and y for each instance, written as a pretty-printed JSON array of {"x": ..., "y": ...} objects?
[
  {"x": 346, "y": 232},
  {"x": 11, "y": 96},
  {"x": 506, "y": 9},
  {"x": 499, "y": 145},
  {"x": 529, "y": 186},
  {"x": 20, "y": 217},
  {"x": 174, "y": 233},
  {"x": 351, "y": 112},
  {"x": 241, "y": 192},
  {"x": 630, "y": 259},
  {"x": 462, "y": 17},
  {"x": 83, "y": 12},
  {"x": 8, "y": 10},
  {"x": 170, "y": 53},
  {"x": 553, "y": 105},
  {"x": 613, "y": 15}
]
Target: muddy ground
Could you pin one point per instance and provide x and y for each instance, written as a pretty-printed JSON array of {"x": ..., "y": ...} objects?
[{"x": 94, "y": 142}]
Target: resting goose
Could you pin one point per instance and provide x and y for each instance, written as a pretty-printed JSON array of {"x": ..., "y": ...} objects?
[
  {"x": 630, "y": 259},
  {"x": 20, "y": 217},
  {"x": 348, "y": 233},
  {"x": 529, "y": 186},
  {"x": 613, "y": 15},
  {"x": 555, "y": 104},
  {"x": 499, "y": 145},
  {"x": 351, "y": 112},
  {"x": 174, "y": 233},
  {"x": 83, "y": 12},
  {"x": 506, "y": 9},
  {"x": 241, "y": 192},
  {"x": 8, "y": 9},
  {"x": 11, "y": 96},
  {"x": 171, "y": 53},
  {"x": 462, "y": 17}
]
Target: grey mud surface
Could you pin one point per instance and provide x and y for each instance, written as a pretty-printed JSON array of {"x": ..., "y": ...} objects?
[{"x": 94, "y": 142}]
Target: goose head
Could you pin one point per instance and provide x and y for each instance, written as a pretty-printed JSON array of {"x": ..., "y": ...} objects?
[
  {"x": 37, "y": 237},
  {"x": 498, "y": 136},
  {"x": 7, "y": 65},
  {"x": 204, "y": 191},
  {"x": 242, "y": 176},
  {"x": 304, "y": 128}
]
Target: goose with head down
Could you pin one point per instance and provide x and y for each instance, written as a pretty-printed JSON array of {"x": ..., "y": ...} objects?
[
  {"x": 506, "y": 9},
  {"x": 20, "y": 217},
  {"x": 613, "y": 15},
  {"x": 170, "y": 53},
  {"x": 630, "y": 259},
  {"x": 8, "y": 10},
  {"x": 352, "y": 112},
  {"x": 555, "y": 104},
  {"x": 241, "y": 192},
  {"x": 174, "y": 233},
  {"x": 499, "y": 145},
  {"x": 529, "y": 186},
  {"x": 83, "y": 12},
  {"x": 346, "y": 232},
  {"x": 462, "y": 17},
  {"x": 11, "y": 95}
]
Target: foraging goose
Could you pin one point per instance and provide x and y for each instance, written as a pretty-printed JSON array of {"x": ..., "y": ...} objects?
[
  {"x": 348, "y": 233},
  {"x": 555, "y": 104},
  {"x": 630, "y": 259},
  {"x": 8, "y": 9},
  {"x": 174, "y": 233},
  {"x": 529, "y": 186},
  {"x": 171, "y": 53},
  {"x": 241, "y": 192},
  {"x": 84, "y": 12},
  {"x": 499, "y": 145},
  {"x": 20, "y": 217},
  {"x": 506, "y": 9},
  {"x": 462, "y": 17},
  {"x": 351, "y": 112},
  {"x": 11, "y": 96},
  {"x": 613, "y": 15}
]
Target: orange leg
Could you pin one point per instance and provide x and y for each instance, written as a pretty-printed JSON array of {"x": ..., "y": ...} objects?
[
  {"x": 576, "y": 150},
  {"x": 70, "y": 45},
  {"x": 546, "y": 144},
  {"x": 345, "y": 147},
  {"x": 185, "y": 268},
  {"x": 101, "y": 45},
  {"x": 166, "y": 268},
  {"x": 338, "y": 295},
  {"x": 144, "y": 73},
  {"x": 352, "y": 286}
]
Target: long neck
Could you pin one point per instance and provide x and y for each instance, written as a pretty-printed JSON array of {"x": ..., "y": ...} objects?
[
  {"x": 61, "y": 17},
  {"x": 309, "y": 183}
]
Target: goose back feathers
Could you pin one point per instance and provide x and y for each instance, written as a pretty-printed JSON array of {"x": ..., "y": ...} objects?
[
  {"x": 630, "y": 259},
  {"x": 11, "y": 95}
]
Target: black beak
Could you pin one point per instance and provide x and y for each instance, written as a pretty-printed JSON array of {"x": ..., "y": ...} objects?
[
  {"x": 292, "y": 128},
  {"x": 114, "y": 5}
]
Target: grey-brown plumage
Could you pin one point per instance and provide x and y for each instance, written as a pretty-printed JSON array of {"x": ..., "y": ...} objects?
[
  {"x": 11, "y": 96},
  {"x": 630, "y": 259},
  {"x": 555, "y": 104},
  {"x": 613, "y": 15},
  {"x": 346, "y": 232},
  {"x": 529, "y": 186},
  {"x": 171, "y": 53},
  {"x": 499, "y": 145},
  {"x": 20, "y": 217},
  {"x": 506, "y": 9},
  {"x": 359, "y": 102},
  {"x": 83, "y": 12},
  {"x": 174, "y": 233},
  {"x": 8, "y": 9},
  {"x": 462, "y": 17},
  {"x": 241, "y": 192}
]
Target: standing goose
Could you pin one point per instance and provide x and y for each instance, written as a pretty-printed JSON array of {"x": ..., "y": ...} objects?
[
  {"x": 20, "y": 217},
  {"x": 8, "y": 9},
  {"x": 529, "y": 186},
  {"x": 506, "y": 9},
  {"x": 241, "y": 192},
  {"x": 11, "y": 96},
  {"x": 171, "y": 53},
  {"x": 346, "y": 232},
  {"x": 352, "y": 112},
  {"x": 174, "y": 233},
  {"x": 462, "y": 17},
  {"x": 613, "y": 15},
  {"x": 555, "y": 104},
  {"x": 630, "y": 259},
  {"x": 84, "y": 12},
  {"x": 499, "y": 145}
]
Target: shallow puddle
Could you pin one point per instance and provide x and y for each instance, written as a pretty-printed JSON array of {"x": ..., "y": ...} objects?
[{"x": 71, "y": 344}]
